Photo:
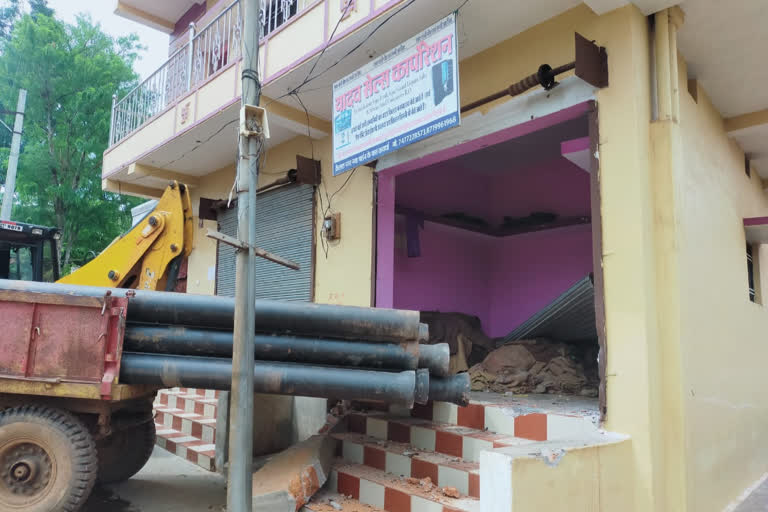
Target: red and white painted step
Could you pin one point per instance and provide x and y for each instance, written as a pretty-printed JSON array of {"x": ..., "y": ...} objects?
[
  {"x": 401, "y": 459},
  {"x": 185, "y": 420},
  {"x": 383, "y": 449}
]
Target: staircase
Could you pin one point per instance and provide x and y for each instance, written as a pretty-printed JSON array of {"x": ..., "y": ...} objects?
[
  {"x": 445, "y": 458},
  {"x": 185, "y": 420},
  {"x": 500, "y": 453}
]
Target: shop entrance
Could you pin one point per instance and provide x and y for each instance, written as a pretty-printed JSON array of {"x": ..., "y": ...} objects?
[{"x": 495, "y": 247}]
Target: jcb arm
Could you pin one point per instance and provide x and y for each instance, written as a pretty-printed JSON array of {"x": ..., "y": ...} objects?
[{"x": 149, "y": 255}]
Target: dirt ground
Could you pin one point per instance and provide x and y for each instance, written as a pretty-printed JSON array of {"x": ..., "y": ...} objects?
[{"x": 166, "y": 484}]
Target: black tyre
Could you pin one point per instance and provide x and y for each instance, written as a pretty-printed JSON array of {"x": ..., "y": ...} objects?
[
  {"x": 47, "y": 460},
  {"x": 124, "y": 453}
]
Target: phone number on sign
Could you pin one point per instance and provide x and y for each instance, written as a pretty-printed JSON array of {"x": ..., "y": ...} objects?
[{"x": 418, "y": 134}]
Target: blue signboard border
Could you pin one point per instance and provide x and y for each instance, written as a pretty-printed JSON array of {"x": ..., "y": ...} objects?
[{"x": 422, "y": 132}]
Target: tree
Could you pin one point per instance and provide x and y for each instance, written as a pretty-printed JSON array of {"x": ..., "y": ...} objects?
[
  {"x": 11, "y": 11},
  {"x": 70, "y": 73}
]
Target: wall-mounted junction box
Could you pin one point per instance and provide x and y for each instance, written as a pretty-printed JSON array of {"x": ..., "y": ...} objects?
[{"x": 332, "y": 227}]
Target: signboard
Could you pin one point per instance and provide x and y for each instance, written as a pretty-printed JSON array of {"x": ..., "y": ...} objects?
[{"x": 406, "y": 95}]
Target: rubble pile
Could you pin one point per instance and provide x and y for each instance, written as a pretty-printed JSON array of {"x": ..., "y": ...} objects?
[{"x": 538, "y": 366}]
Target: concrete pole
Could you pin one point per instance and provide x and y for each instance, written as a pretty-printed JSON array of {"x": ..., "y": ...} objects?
[
  {"x": 13, "y": 159},
  {"x": 239, "y": 485}
]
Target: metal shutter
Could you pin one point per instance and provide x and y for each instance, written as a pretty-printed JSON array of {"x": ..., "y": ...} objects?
[
  {"x": 225, "y": 256},
  {"x": 285, "y": 228}
]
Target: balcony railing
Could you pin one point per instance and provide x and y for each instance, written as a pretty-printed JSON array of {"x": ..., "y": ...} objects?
[{"x": 208, "y": 51}]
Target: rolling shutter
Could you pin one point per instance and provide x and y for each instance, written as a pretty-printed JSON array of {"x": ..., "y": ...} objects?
[{"x": 285, "y": 228}]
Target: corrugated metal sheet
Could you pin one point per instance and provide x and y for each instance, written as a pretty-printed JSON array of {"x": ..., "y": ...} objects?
[
  {"x": 570, "y": 317},
  {"x": 225, "y": 264},
  {"x": 285, "y": 228}
]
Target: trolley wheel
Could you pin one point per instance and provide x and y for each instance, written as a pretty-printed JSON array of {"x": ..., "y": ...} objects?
[
  {"x": 125, "y": 452},
  {"x": 47, "y": 460}
]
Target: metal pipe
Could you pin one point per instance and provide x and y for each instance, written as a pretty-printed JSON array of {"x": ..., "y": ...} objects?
[
  {"x": 421, "y": 391},
  {"x": 157, "y": 339},
  {"x": 296, "y": 318},
  {"x": 545, "y": 77},
  {"x": 450, "y": 389},
  {"x": 436, "y": 358},
  {"x": 273, "y": 378}
]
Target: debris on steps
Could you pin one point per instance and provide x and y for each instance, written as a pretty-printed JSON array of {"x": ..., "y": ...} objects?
[
  {"x": 288, "y": 481},
  {"x": 538, "y": 366},
  {"x": 327, "y": 501}
]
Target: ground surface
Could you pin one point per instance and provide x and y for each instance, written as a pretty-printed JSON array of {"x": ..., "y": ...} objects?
[{"x": 166, "y": 484}]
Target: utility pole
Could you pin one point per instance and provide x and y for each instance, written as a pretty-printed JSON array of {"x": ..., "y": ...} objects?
[
  {"x": 13, "y": 159},
  {"x": 239, "y": 485}
]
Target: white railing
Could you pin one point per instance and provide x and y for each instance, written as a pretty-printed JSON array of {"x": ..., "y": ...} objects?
[
  {"x": 213, "y": 48},
  {"x": 208, "y": 51}
]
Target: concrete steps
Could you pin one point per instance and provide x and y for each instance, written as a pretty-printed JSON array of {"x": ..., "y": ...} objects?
[
  {"x": 185, "y": 420},
  {"x": 400, "y": 459},
  {"x": 393, "y": 493},
  {"x": 486, "y": 451},
  {"x": 327, "y": 501}
]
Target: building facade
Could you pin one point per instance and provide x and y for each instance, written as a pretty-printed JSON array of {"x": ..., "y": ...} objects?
[{"x": 648, "y": 178}]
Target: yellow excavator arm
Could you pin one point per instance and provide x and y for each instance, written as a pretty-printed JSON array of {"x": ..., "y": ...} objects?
[{"x": 149, "y": 255}]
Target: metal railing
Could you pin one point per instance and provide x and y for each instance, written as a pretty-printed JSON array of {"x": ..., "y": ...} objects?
[
  {"x": 275, "y": 13},
  {"x": 208, "y": 51}
]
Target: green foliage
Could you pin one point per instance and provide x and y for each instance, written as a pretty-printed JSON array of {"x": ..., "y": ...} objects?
[
  {"x": 11, "y": 11},
  {"x": 70, "y": 73}
]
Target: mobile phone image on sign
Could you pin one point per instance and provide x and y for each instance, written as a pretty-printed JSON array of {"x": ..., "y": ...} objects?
[{"x": 442, "y": 80}]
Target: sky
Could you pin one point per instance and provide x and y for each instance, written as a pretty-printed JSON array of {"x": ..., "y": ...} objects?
[{"x": 102, "y": 11}]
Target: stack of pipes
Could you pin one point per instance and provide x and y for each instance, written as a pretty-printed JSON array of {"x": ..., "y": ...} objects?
[{"x": 303, "y": 349}]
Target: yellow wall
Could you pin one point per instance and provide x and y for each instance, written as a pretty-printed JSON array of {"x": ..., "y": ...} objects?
[
  {"x": 586, "y": 479},
  {"x": 202, "y": 260},
  {"x": 723, "y": 334},
  {"x": 341, "y": 277},
  {"x": 634, "y": 393}
]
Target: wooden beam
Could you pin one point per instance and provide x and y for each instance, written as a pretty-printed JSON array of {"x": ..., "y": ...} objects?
[
  {"x": 746, "y": 120},
  {"x": 130, "y": 189},
  {"x": 239, "y": 245},
  {"x": 143, "y": 17},
  {"x": 496, "y": 231},
  {"x": 164, "y": 174}
]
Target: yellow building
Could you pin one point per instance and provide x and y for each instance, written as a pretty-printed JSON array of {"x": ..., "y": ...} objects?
[{"x": 652, "y": 183}]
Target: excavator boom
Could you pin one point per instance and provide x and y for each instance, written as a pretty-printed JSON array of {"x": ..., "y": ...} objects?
[{"x": 149, "y": 255}]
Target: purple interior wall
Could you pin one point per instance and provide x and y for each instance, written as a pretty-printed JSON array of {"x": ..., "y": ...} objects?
[
  {"x": 452, "y": 273},
  {"x": 503, "y": 281},
  {"x": 529, "y": 271}
]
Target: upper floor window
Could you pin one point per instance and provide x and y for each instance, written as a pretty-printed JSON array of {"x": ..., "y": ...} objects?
[
  {"x": 753, "y": 274},
  {"x": 276, "y": 12}
]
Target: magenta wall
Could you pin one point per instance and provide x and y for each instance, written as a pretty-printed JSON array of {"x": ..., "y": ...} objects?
[
  {"x": 503, "y": 281},
  {"x": 452, "y": 273},
  {"x": 529, "y": 271}
]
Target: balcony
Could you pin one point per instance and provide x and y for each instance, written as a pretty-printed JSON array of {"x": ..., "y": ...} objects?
[{"x": 193, "y": 99}]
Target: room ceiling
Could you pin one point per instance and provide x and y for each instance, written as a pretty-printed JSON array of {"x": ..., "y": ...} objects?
[{"x": 515, "y": 178}]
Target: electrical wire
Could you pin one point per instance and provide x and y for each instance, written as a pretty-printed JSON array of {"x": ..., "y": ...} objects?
[
  {"x": 328, "y": 43},
  {"x": 309, "y": 78},
  {"x": 361, "y": 43},
  {"x": 330, "y": 199},
  {"x": 199, "y": 144}
]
